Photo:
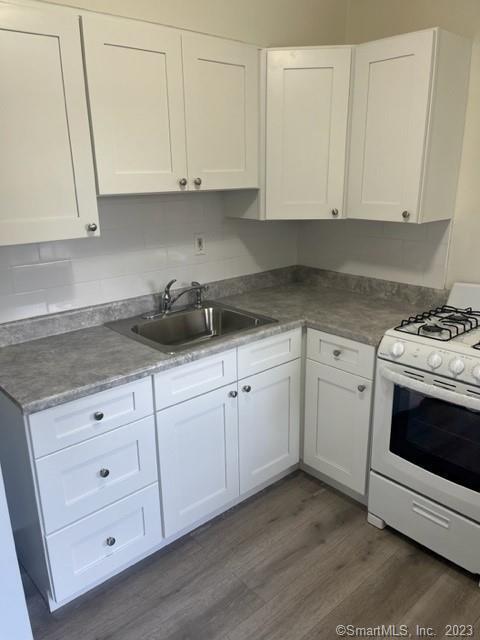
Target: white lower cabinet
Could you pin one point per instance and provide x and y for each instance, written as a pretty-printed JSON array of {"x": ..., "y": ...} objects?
[
  {"x": 269, "y": 423},
  {"x": 337, "y": 424},
  {"x": 198, "y": 453},
  {"x": 101, "y": 544}
]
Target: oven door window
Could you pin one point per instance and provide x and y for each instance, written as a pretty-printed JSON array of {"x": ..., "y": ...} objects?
[{"x": 438, "y": 436}]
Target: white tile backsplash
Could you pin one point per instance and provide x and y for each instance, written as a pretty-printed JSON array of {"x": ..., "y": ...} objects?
[
  {"x": 410, "y": 253},
  {"x": 144, "y": 242}
]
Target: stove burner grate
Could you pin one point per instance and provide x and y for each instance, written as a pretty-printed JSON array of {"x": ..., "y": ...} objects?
[{"x": 443, "y": 323}]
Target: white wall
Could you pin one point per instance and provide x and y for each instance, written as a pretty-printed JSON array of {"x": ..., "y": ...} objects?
[
  {"x": 145, "y": 241},
  {"x": 262, "y": 22},
  {"x": 370, "y": 19},
  {"x": 415, "y": 254}
]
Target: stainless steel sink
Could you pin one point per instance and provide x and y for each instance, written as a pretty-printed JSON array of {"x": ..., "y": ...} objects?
[{"x": 180, "y": 330}]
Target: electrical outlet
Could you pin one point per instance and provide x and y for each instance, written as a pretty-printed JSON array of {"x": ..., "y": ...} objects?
[{"x": 200, "y": 247}]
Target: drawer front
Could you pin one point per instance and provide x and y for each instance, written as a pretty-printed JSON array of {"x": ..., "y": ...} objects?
[
  {"x": 341, "y": 353},
  {"x": 268, "y": 353},
  {"x": 79, "y": 480},
  {"x": 101, "y": 544},
  {"x": 73, "y": 422},
  {"x": 445, "y": 532},
  {"x": 195, "y": 378}
]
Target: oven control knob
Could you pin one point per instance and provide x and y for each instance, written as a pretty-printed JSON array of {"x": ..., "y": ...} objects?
[
  {"x": 397, "y": 349},
  {"x": 456, "y": 366},
  {"x": 476, "y": 372},
  {"x": 434, "y": 360}
]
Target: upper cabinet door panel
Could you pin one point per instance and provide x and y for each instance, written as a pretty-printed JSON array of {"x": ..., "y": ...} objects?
[
  {"x": 46, "y": 170},
  {"x": 134, "y": 74},
  {"x": 391, "y": 103},
  {"x": 222, "y": 107},
  {"x": 307, "y": 115}
]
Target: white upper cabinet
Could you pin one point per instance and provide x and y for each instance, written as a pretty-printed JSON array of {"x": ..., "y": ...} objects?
[
  {"x": 170, "y": 111},
  {"x": 47, "y": 182},
  {"x": 407, "y": 126},
  {"x": 134, "y": 73},
  {"x": 306, "y": 132},
  {"x": 222, "y": 112}
]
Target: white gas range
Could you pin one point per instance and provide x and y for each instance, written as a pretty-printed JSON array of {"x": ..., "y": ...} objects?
[{"x": 425, "y": 469}]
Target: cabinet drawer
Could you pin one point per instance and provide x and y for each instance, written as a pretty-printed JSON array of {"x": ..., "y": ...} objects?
[
  {"x": 101, "y": 544},
  {"x": 268, "y": 353},
  {"x": 341, "y": 353},
  {"x": 79, "y": 480},
  {"x": 73, "y": 422},
  {"x": 445, "y": 532},
  {"x": 193, "y": 379}
]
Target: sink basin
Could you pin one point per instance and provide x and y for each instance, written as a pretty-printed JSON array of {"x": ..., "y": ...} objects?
[{"x": 182, "y": 329}]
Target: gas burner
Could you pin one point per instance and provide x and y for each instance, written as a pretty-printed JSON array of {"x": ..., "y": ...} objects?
[
  {"x": 431, "y": 328},
  {"x": 443, "y": 323}
]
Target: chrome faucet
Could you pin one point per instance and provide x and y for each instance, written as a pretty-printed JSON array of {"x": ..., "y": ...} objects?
[{"x": 167, "y": 301}]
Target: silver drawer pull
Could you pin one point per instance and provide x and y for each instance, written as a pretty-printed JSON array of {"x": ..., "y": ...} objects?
[
  {"x": 104, "y": 473},
  {"x": 98, "y": 415},
  {"x": 246, "y": 388},
  {"x": 233, "y": 394},
  {"x": 337, "y": 353},
  {"x": 110, "y": 541},
  {"x": 361, "y": 388}
]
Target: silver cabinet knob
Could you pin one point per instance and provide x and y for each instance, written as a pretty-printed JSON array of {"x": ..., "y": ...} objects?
[
  {"x": 337, "y": 353},
  {"x": 98, "y": 415},
  {"x": 104, "y": 473},
  {"x": 92, "y": 226},
  {"x": 246, "y": 388},
  {"x": 110, "y": 541},
  {"x": 197, "y": 182},
  {"x": 233, "y": 394},
  {"x": 182, "y": 182},
  {"x": 361, "y": 388},
  {"x": 405, "y": 215},
  {"x": 334, "y": 213}
]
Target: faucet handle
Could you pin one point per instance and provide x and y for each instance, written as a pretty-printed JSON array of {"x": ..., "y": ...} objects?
[{"x": 204, "y": 287}]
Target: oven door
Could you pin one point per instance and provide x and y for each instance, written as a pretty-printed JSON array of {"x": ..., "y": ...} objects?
[{"x": 427, "y": 436}]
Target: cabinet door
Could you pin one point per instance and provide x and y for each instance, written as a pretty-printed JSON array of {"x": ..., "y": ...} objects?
[
  {"x": 269, "y": 424},
  {"x": 337, "y": 424},
  {"x": 134, "y": 73},
  {"x": 198, "y": 451},
  {"x": 47, "y": 183},
  {"x": 222, "y": 105},
  {"x": 391, "y": 96},
  {"x": 307, "y": 114}
]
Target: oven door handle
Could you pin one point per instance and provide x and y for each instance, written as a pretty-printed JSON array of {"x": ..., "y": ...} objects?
[{"x": 430, "y": 390}]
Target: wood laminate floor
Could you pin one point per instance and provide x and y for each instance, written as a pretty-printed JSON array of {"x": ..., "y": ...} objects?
[{"x": 291, "y": 563}]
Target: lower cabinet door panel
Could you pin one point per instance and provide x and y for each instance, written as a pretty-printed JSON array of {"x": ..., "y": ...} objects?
[
  {"x": 104, "y": 542},
  {"x": 337, "y": 424},
  {"x": 79, "y": 480},
  {"x": 198, "y": 451},
  {"x": 269, "y": 424}
]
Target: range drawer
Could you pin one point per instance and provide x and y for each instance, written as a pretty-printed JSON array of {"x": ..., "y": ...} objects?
[
  {"x": 101, "y": 544},
  {"x": 79, "y": 480},
  {"x": 444, "y": 531},
  {"x": 195, "y": 378},
  {"x": 75, "y": 421},
  {"x": 269, "y": 352},
  {"x": 341, "y": 353}
]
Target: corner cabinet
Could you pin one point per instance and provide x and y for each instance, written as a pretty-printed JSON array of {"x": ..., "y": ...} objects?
[
  {"x": 47, "y": 182},
  {"x": 338, "y": 402},
  {"x": 378, "y": 139},
  {"x": 408, "y": 115},
  {"x": 306, "y": 132},
  {"x": 171, "y": 111}
]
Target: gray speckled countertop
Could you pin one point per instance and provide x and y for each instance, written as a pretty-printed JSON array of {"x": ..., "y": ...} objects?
[{"x": 43, "y": 373}]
